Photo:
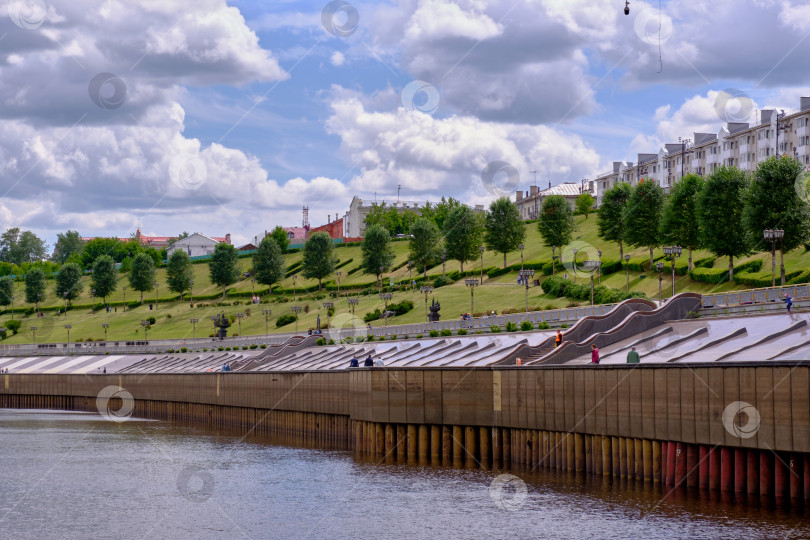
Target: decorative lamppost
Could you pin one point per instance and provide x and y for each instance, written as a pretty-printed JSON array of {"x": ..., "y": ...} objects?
[
  {"x": 253, "y": 286},
  {"x": 673, "y": 252},
  {"x": 553, "y": 259},
  {"x": 385, "y": 298},
  {"x": 296, "y": 310},
  {"x": 627, "y": 269},
  {"x": 444, "y": 259},
  {"x": 660, "y": 267},
  {"x": 520, "y": 247},
  {"x": 526, "y": 275},
  {"x": 145, "y": 325},
  {"x": 294, "y": 278},
  {"x": 328, "y": 306},
  {"x": 575, "y": 264},
  {"x": 352, "y": 303},
  {"x": 34, "y": 332},
  {"x": 239, "y": 317},
  {"x": 338, "y": 274},
  {"x": 481, "y": 249},
  {"x": 599, "y": 252},
  {"x": 772, "y": 235},
  {"x": 68, "y": 327},
  {"x": 157, "y": 291},
  {"x": 426, "y": 290},
  {"x": 266, "y": 313},
  {"x": 105, "y": 325},
  {"x": 472, "y": 283},
  {"x": 592, "y": 265},
  {"x": 194, "y": 327}
]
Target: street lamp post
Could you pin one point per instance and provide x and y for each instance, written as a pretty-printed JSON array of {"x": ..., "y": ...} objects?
[
  {"x": 472, "y": 284},
  {"x": 779, "y": 234},
  {"x": 338, "y": 274},
  {"x": 575, "y": 264},
  {"x": 600, "y": 266},
  {"x": 145, "y": 325},
  {"x": 105, "y": 325},
  {"x": 352, "y": 303},
  {"x": 660, "y": 267},
  {"x": 520, "y": 247},
  {"x": 68, "y": 327},
  {"x": 266, "y": 313},
  {"x": 385, "y": 298},
  {"x": 294, "y": 277},
  {"x": 296, "y": 310},
  {"x": 328, "y": 306},
  {"x": 34, "y": 332},
  {"x": 481, "y": 249},
  {"x": 673, "y": 252},
  {"x": 239, "y": 322},
  {"x": 592, "y": 265},
  {"x": 627, "y": 268},
  {"x": 526, "y": 275},
  {"x": 194, "y": 327},
  {"x": 426, "y": 290}
]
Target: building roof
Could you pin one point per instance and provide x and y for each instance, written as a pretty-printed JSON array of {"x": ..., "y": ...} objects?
[
  {"x": 297, "y": 232},
  {"x": 566, "y": 189}
]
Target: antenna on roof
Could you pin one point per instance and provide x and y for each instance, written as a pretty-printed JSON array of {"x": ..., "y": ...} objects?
[{"x": 399, "y": 186}]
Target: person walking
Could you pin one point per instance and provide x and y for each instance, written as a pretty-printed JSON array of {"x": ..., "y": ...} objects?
[
  {"x": 368, "y": 362},
  {"x": 558, "y": 339},
  {"x": 788, "y": 302},
  {"x": 633, "y": 357},
  {"x": 379, "y": 363},
  {"x": 594, "y": 354},
  {"x": 354, "y": 362}
]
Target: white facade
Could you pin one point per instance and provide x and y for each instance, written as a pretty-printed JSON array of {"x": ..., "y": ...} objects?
[
  {"x": 354, "y": 221},
  {"x": 195, "y": 245}
]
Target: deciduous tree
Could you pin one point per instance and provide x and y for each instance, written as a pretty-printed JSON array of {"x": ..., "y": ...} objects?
[
  {"x": 642, "y": 216},
  {"x": 69, "y": 281},
  {"x": 609, "y": 219},
  {"x": 67, "y": 244},
  {"x": 504, "y": 230},
  {"x": 223, "y": 267},
  {"x": 179, "y": 272},
  {"x": 318, "y": 260},
  {"x": 425, "y": 246},
  {"x": 35, "y": 287},
  {"x": 268, "y": 263},
  {"x": 142, "y": 275},
  {"x": 556, "y": 222},
  {"x": 584, "y": 204},
  {"x": 463, "y": 232},
  {"x": 679, "y": 219},
  {"x": 377, "y": 252},
  {"x": 105, "y": 277}
]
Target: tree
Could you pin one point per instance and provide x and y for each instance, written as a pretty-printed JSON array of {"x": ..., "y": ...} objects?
[
  {"x": 20, "y": 247},
  {"x": 642, "y": 216},
  {"x": 556, "y": 221},
  {"x": 95, "y": 248},
  {"x": 377, "y": 253},
  {"x": 179, "y": 272},
  {"x": 584, "y": 203},
  {"x": 773, "y": 202},
  {"x": 142, "y": 275},
  {"x": 438, "y": 213},
  {"x": 35, "y": 287},
  {"x": 609, "y": 219},
  {"x": 280, "y": 236},
  {"x": 105, "y": 276},
  {"x": 679, "y": 219},
  {"x": 268, "y": 263},
  {"x": 69, "y": 281},
  {"x": 224, "y": 266},
  {"x": 182, "y": 235},
  {"x": 463, "y": 232},
  {"x": 318, "y": 261},
  {"x": 66, "y": 245},
  {"x": 504, "y": 228},
  {"x": 7, "y": 291},
  {"x": 424, "y": 248},
  {"x": 720, "y": 212}
]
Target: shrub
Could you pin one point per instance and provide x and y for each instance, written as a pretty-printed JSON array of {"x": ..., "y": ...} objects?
[
  {"x": 320, "y": 341},
  {"x": 220, "y": 348},
  {"x": 563, "y": 325},
  {"x": 244, "y": 347},
  {"x": 446, "y": 332},
  {"x": 263, "y": 346},
  {"x": 372, "y": 315},
  {"x": 370, "y": 337},
  {"x": 167, "y": 350},
  {"x": 526, "y": 326},
  {"x": 461, "y": 332},
  {"x": 401, "y": 308},
  {"x": 227, "y": 348},
  {"x": 441, "y": 281},
  {"x": 709, "y": 275},
  {"x": 14, "y": 326},
  {"x": 183, "y": 349},
  {"x": 705, "y": 262},
  {"x": 543, "y": 325},
  {"x": 434, "y": 333},
  {"x": 253, "y": 346},
  {"x": 495, "y": 329},
  {"x": 610, "y": 266},
  {"x": 511, "y": 327},
  {"x": 331, "y": 342},
  {"x": 152, "y": 320},
  {"x": 285, "y": 320}
]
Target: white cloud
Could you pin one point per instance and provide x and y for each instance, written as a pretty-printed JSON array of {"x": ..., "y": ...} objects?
[{"x": 337, "y": 59}]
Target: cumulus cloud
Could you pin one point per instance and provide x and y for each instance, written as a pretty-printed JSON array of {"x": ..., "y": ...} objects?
[{"x": 337, "y": 59}]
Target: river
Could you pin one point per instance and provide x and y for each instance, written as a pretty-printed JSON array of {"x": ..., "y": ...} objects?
[{"x": 77, "y": 475}]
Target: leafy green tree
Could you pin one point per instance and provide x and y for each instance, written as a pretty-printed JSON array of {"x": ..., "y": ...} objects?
[
  {"x": 95, "y": 248},
  {"x": 438, "y": 213},
  {"x": 376, "y": 249},
  {"x": 69, "y": 281},
  {"x": 609, "y": 220},
  {"x": 389, "y": 217},
  {"x": 773, "y": 202},
  {"x": 182, "y": 235},
  {"x": 463, "y": 235},
  {"x": 679, "y": 220},
  {"x": 179, "y": 272},
  {"x": 105, "y": 277},
  {"x": 268, "y": 262},
  {"x": 425, "y": 245},
  {"x": 142, "y": 275},
  {"x": 280, "y": 236},
  {"x": 642, "y": 216},
  {"x": 224, "y": 266},
  {"x": 67, "y": 244},
  {"x": 19, "y": 247},
  {"x": 720, "y": 212},
  {"x": 584, "y": 203},
  {"x": 7, "y": 292},
  {"x": 318, "y": 260},
  {"x": 35, "y": 287},
  {"x": 556, "y": 221},
  {"x": 503, "y": 227}
]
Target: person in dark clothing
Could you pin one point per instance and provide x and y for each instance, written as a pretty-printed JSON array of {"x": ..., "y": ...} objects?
[
  {"x": 368, "y": 362},
  {"x": 354, "y": 362},
  {"x": 558, "y": 339},
  {"x": 788, "y": 302}
]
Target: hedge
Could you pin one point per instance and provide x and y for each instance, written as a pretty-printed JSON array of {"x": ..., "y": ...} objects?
[
  {"x": 610, "y": 266},
  {"x": 559, "y": 287},
  {"x": 709, "y": 275},
  {"x": 705, "y": 262},
  {"x": 764, "y": 277}
]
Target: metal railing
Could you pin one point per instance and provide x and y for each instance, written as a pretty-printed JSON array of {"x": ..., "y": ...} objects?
[{"x": 755, "y": 296}]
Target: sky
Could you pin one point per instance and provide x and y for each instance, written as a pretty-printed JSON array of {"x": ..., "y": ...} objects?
[{"x": 228, "y": 117}]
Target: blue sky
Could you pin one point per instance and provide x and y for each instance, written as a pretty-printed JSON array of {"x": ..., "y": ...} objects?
[{"x": 236, "y": 114}]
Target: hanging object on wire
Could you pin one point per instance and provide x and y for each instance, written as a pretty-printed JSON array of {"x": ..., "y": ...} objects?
[{"x": 627, "y": 7}]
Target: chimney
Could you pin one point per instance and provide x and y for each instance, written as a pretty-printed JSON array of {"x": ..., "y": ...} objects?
[
  {"x": 228, "y": 238},
  {"x": 533, "y": 190},
  {"x": 518, "y": 195},
  {"x": 549, "y": 183},
  {"x": 804, "y": 104}
]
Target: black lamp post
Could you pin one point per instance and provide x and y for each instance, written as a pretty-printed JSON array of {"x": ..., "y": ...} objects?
[
  {"x": 296, "y": 310},
  {"x": 328, "y": 306},
  {"x": 592, "y": 265},
  {"x": 472, "y": 284},
  {"x": 239, "y": 317},
  {"x": 385, "y": 298},
  {"x": 105, "y": 325},
  {"x": 194, "y": 327},
  {"x": 267, "y": 313},
  {"x": 68, "y": 327},
  {"x": 673, "y": 252},
  {"x": 660, "y": 267},
  {"x": 34, "y": 332},
  {"x": 426, "y": 290},
  {"x": 352, "y": 303},
  {"x": 520, "y": 247},
  {"x": 145, "y": 325},
  {"x": 526, "y": 275}
]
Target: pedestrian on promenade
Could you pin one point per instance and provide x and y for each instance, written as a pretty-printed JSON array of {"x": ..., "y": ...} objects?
[
  {"x": 788, "y": 302},
  {"x": 558, "y": 339},
  {"x": 594, "y": 354},
  {"x": 368, "y": 362},
  {"x": 633, "y": 357},
  {"x": 380, "y": 362},
  {"x": 354, "y": 362}
]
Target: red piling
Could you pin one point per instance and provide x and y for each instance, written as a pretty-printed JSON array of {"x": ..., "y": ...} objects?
[
  {"x": 703, "y": 468},
  {"x": 726, "y": 469}
]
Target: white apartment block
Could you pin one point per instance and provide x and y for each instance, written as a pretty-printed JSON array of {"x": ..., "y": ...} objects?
[{"x": 736, "y": 144}]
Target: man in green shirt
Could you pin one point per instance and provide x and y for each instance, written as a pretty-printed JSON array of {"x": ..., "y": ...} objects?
[{"x": 632, "y": 357}]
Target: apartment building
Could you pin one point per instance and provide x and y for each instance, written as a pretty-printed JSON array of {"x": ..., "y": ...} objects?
[{"x": 737, "y": 144}]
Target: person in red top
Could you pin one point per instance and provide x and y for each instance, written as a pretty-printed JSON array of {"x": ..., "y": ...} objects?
[{"x": 594, "y": 354}]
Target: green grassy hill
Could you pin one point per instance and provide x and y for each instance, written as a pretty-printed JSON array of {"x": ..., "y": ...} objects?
[{"x": 498, "y": 294}]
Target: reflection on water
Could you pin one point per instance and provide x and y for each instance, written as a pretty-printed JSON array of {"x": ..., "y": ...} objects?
[{"x": 75, "y": 475}]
